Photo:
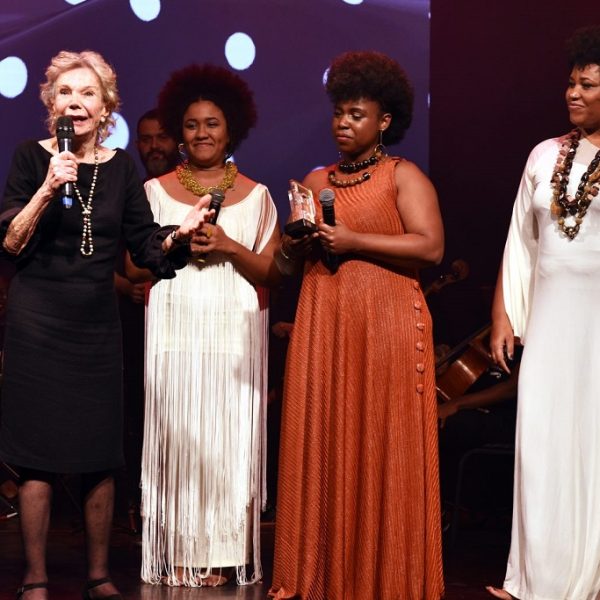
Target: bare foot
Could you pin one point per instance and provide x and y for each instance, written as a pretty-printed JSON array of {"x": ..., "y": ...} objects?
[
  {"x": 499, "y": 593},
  {"x": 214, "y": 580},
  {"x": 217, "y": 579}
]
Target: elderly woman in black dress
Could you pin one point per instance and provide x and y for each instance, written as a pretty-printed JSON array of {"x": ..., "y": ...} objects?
[{"x": 61, "y": 397}]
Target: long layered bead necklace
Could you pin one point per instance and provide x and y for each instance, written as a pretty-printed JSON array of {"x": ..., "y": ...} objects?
[
  {"x": 87, "y": 241},
  {"x": 570, "y": 210},
  {"x": 353, "y": 167},
  {"x": 190, "y": 183}
]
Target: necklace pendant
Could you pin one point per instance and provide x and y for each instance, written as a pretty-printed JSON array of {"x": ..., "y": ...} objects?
[{"x": 556, "y": 209}]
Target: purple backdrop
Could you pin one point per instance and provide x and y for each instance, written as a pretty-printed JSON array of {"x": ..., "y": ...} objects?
[{"x": 294, "y": 39}]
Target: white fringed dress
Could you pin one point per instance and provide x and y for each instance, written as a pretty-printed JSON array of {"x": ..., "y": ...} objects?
[{"x": 206, "y": 377}]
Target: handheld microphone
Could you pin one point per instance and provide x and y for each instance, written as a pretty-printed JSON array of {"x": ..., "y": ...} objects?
[
  {"x": 64, "y": 137},
  {"x": 216, "y": 199},
  {"x": 327, "y": 198}
]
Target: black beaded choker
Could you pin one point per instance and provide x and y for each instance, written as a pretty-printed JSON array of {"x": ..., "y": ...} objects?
[{"x": 355, "y": 167}]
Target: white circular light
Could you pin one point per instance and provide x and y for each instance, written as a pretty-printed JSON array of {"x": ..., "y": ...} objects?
[
  {"x": 354, "y": 2},
  {"x": 240, "y": 51},
  {"x": 119, "y": 135},
  {"x": 13, "y": 76},
  {"x": 74, "y": 2},
  {"x": 145, "y": 10}
]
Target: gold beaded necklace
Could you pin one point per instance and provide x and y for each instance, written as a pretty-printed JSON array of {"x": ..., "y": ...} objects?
[
  {"x": 190, "y": 183},
  {"x": 87, "y": 241}
]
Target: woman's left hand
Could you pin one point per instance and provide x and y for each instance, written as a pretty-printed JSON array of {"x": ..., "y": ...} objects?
[
  {"x": 209, "y": 238},
  {"x": 337, "y": 240}
]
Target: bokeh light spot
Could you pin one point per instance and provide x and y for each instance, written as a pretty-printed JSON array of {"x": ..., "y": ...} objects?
[
  {"x": 119, "y": 135},
  {"x": 74, "y": 2},
  {"x": 145, "y": 10},
  {"x": 13, "y": 76},
  {"x": 240, "y": 51},
  {"x": 354, "y": 2},
  {"x": 325, "y": 76}
]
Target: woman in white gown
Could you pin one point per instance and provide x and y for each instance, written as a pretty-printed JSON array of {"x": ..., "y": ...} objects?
[
  {"x": 206, "y": 348},
  {"x": 548, "y": 295}
]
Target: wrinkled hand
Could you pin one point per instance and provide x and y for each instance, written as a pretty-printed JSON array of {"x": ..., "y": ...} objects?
[
  {"x": 62, "y": 168},
  {"x": 337, "y": 240},
  {"x": 195, "y": 219},
  {"x": 502, "y": 342},
  {"x": 445, "y": 410}
]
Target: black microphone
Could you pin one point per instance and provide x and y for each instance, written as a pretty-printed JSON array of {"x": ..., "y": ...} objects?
[
  {"x": 327, "y": 198},
  {"x": 216, "y": 199},
  {"x": 64, "y": 137}
]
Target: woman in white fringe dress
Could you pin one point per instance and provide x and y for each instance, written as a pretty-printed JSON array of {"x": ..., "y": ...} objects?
[
  {"x": 203, "y": 483},
  {"x": 548, "y": 295}
]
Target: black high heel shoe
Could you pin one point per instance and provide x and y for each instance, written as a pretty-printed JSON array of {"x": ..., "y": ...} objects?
[
  {"x": 30, "y": 586},
  {"x": 94, "y": 583}
]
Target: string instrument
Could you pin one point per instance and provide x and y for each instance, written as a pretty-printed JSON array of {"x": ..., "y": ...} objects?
[
  {"x": 462, "y": 366},
  {"x": 459, "y": 270}
]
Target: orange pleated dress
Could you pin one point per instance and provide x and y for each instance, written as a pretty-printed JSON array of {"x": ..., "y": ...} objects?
[{"x": 358, "y": 514}]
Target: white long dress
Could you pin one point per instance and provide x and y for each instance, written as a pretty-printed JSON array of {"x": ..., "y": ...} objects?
[
  {"x": 552, "y": 296},
  {"x": 203, "y": 482}
]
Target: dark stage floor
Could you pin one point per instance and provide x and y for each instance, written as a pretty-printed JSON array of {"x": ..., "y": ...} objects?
[{"x": 477, "y": 559}]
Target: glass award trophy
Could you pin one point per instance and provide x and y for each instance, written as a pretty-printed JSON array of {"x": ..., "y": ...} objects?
[{"x": 302, "y": 211}]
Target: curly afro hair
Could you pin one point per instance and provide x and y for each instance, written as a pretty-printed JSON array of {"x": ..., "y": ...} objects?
[
  {"x": 208, "y": 82},
  {"x": 583, "y": 47},
  {"x": 375, "y": 76}
]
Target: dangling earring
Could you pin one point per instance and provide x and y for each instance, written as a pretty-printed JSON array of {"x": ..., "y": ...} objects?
[
  {"x": 182, "y": 153},
  {"x": 380, "y": 148},
  {"x": 102, "y": 119}
]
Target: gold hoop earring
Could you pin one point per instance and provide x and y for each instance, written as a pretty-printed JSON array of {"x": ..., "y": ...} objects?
[{"x": 380, "y": 148}]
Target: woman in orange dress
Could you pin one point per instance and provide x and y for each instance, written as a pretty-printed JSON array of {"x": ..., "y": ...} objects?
[{"x": 358, "y": 499}]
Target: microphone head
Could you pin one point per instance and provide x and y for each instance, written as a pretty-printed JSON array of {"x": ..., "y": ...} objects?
[
  {"x": 326, "y": 197},
  {"x": 64, "y": 128},
  {"x": 216, "y": 197}
]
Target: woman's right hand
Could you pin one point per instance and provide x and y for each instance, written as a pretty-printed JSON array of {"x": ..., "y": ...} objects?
[
  {"x": 502, "y": 341},
  {"x": 195, "y": 219},
  {"x": 62, "y": 168}
]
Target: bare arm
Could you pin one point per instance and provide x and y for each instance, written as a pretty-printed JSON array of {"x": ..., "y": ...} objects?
[
  {"x": 502, "y": 341},
  {"x": 135, "y": 274},
  {"x": 259, "y": 269},
  {"x": 493, "y": 395},
  {"x": 62, "y": 168},
  {"x": 421, "y": 244},
  {"x": 136, "y": 292}
]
